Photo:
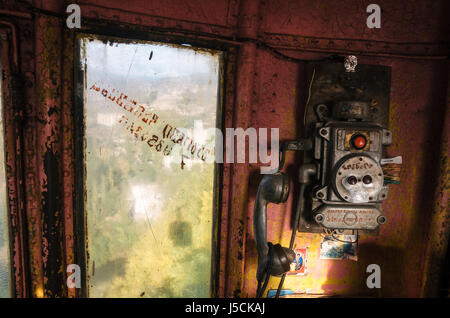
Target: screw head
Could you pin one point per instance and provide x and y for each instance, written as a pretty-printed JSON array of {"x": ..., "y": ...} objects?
[
  {"x": 319, "y": 218},
  {"x": 381, "y": 219}
]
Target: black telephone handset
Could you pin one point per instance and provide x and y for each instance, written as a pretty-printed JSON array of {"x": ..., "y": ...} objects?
[
  {"x": 275, "y": 260},
  {"x": 272, "y": 259}
]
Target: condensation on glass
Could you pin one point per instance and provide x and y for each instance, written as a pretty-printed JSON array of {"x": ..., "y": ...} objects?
[
  {"x": 150, "y": 118},
  {"x": 5, "y": 278}
]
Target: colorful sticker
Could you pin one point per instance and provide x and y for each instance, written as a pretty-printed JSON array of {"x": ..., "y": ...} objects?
[
  {"x": 298, "y": 266},
  {"x": 339, "y": 247}
]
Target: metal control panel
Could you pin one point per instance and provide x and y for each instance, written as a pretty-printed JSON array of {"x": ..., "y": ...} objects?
[{"x": 346, "y": 119}]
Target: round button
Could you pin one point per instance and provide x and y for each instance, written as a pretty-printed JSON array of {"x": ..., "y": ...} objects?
[
  {"x": 352, "y": 180},
  {"x": 367, "y": 179},
  {"x": 359, "y": 141}
]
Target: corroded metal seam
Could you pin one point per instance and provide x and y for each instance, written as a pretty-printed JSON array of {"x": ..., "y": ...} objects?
[
  {"x": 49, "y": 66},
  {"x": 13, "y": 164}
]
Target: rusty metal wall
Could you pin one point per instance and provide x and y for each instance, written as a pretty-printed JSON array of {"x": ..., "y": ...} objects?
[{"x": 263, "y": 88}]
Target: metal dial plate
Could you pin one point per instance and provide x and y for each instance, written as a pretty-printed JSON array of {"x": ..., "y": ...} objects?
[
  {"x": 356, "y": 217},
  {"x": 358, "y": 179}
]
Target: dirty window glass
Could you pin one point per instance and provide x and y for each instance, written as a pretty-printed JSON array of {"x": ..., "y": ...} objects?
[
  {"x": 5, "y": 290},
  {"x": 150, "y": 114}
]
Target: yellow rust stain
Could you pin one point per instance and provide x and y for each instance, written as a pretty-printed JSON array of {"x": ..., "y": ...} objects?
[{"x": 39, "y": 292}]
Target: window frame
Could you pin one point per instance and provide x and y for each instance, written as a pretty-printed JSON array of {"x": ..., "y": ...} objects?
[
  {"x": 80, "y": 195},
  {"x": 20, "y": 283}
]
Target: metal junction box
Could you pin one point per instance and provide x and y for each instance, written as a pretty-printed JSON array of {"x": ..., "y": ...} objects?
[{"x": 346, "y": 118}]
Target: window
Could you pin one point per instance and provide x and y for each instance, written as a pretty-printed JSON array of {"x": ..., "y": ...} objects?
[
  {"x": 150, "y": 112},
  {"x": 5, "y": 283}
]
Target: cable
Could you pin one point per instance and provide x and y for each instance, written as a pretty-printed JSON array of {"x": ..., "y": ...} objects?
[
  {"x": 342, "y": 241},
  {"x": 332, "y": 233},
  {"x": 309, "y": 96},
  {"x": 277, "y": 53},
  {"x": 280, "y": 285},
  {"x": 264, "y": 285},
  {"x": 260, "y": 290},
  {"x": 294, "y": 231}
]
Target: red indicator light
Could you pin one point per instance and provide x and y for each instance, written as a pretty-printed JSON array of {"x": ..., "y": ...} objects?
[{"x": 359, "y": 141}]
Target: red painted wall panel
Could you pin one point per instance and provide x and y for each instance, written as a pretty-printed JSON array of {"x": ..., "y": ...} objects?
[
  {"x": 416, "y": 120},
  {"x": 207, "y": 12},
  {"x": 401, "y": 21}
]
